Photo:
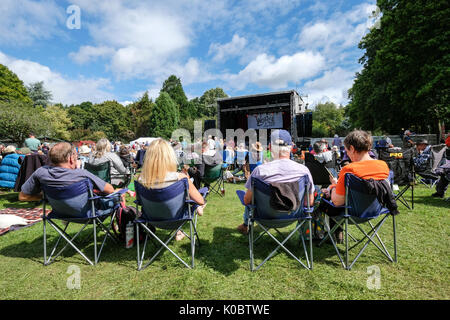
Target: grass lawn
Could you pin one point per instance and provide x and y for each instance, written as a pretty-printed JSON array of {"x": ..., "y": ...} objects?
[{"x": 222, "y": 268}]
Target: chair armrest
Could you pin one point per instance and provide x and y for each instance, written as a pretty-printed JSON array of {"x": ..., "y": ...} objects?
[
  {"x": 203, "y": 191},
  {"x": 120, "y": 192},
  {"x": 333, "y": 205}
]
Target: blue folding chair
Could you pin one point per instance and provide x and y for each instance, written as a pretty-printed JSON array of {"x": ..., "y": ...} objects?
[
  {"x": 261, "y": 212},
  {"x": 360, "y": 208},
  {"x": 169, "y": 209},
  {"x": 76, "y": 203}
]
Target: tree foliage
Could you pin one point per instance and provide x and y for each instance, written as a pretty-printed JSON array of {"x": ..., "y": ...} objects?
[
  {"x": 329, "y": 119},
  {"x": 165, "y": 118},
  {"x": 141, "y": 112},
  {"x": 405, "y": 81},
  {"x": 39, "y": 95},
  {"x": 175, "y": 90},
  {"x": 58, "y": 122},
  {"x": 11, "y": 87},
  {"x": 18, "y": 119}
]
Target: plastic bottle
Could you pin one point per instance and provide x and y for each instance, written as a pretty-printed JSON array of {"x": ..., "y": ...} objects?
[{"x": 129, "y": 235}]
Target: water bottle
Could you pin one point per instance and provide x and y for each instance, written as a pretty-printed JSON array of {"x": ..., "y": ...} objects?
[{"x": 129, "y": 235}]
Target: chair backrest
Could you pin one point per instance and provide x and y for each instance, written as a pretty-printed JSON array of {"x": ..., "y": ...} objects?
[
  {"x": 360, "y": 203},
  {"x": 167, "y": 203},
  {"x": 101, "y": 170},
  {"x": 212, "y": 173},
  {"x": 70, "y": 201},
  {"x": 261, "y": 199},
  {"x": 319, "y": 172},
  {"x": 438, "y": 155}
]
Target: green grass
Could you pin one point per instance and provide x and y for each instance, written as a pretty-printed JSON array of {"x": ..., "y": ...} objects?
[{"x": 222, "y": 262}]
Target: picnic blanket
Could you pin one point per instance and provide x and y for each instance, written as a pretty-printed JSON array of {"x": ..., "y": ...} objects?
[{"x": 31, "y": 216}]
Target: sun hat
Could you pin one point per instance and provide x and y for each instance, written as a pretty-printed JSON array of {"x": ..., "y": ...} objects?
[
  {"x": 84, "y": 149},
  {"x": 257, "y": 147},
  {"x": 9, "y": 149}
]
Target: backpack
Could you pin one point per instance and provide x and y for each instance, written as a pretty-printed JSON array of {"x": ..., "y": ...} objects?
[{"x": 124, "y": 215}]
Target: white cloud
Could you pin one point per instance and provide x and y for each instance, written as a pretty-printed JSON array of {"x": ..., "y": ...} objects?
[
  {"x": 331, "y": 86},
  {"x": 24, "y": 21},
  {"x": 88, "y": 53},
  {"x": 267, "y": 71},
  {"x": 65, "y": 90},
  {"x": 341, "y": 31},
  {"x": 228, "y": 50}
]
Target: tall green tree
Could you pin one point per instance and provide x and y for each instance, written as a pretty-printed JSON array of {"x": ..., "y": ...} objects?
[
  {"x": 58, "y": 122},
  {"x": 141, "y": 112},
  {"x": 165, "y": 118},
  {"x": 175, "y": 90},
  {"x": 11, "y": 87},
  {"x": 208, "y": 101},
  {"x": 329, "y": 119},
  {"x": 113, "y": 119},
  {"x": 39, "y": 95},
  {"x": 405, "y": 81}
]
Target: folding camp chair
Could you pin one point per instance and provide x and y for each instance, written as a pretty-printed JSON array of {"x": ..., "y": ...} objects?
[
  {"x": 261, "y": 212},
  {"x": 401, "y": 164},
  {"x": 103, "y": 171},
  {"x": 360, "y": 207},
  {"x": 427, "y": 173},
  {"x": 214, "y": 180},
  {"x": 76, "y": 203},
  {"x": 168, "y": 209}
]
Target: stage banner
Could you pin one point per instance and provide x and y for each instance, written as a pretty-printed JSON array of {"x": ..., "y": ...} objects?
[{"x": 265, "y": 120}]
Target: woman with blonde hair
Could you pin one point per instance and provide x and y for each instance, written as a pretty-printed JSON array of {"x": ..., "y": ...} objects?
[
  {"x": 160, "y": 171},
  {"x": 103, "y": 154}
]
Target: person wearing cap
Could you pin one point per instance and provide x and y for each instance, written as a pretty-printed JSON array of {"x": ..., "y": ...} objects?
[
  {"x": 422, "y": 155},
  {"x": 281, "y": 169}
]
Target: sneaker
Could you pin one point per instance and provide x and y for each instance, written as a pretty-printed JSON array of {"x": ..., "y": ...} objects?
[
  {"x": 243, "y": 229},
  {"x": 438, "y": 195}
]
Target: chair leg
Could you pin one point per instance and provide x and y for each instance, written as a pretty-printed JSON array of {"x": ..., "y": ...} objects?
[
  {"x": 395, "y": 238},
  {"x": 250, "y": 240}
]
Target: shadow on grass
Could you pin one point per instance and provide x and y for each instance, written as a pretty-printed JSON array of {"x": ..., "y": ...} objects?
[
  {"x": 11, "y": 200},
  {"x": 229, "y": 250},
  {"x": 429, "y": 201},
  {"x": 34, "y": 250}
]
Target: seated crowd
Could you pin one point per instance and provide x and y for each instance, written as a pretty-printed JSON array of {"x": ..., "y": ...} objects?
[{"x": 166, "y": 162}]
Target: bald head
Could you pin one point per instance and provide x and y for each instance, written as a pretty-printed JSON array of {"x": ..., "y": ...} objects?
[{"x": 61, "y": 153}]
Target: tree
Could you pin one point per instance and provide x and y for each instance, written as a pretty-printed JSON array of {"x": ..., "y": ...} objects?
[
  {"x": 141, "y": 112},
  {"x": 11, "y": 87},
  {"x": 38, "y": 94},
  {"x": 18, "y": 119},
  {"x": 405, "y": 81},
  {"x": 58, "y": 121},
  {"x": 329, "y": 119},
  {"x": 113, "y": 119},
  {"x": 175, "y": 90},
  {"x": 208, "y": 101},
  {"x": 164, "y": 119}
]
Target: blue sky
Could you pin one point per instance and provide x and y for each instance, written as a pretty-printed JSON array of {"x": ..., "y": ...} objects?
[{"x": 125, "y": 47}]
